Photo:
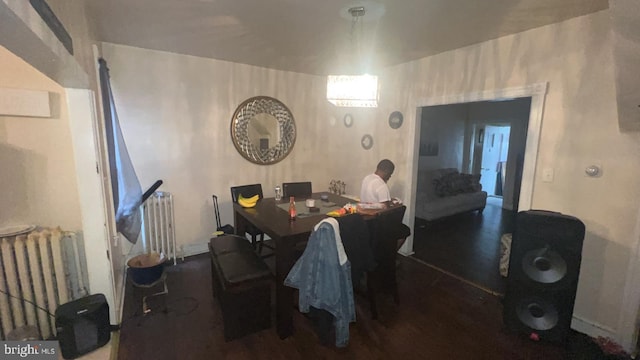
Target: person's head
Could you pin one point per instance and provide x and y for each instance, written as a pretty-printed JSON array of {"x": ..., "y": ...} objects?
[{"x": 385, "y": 169}]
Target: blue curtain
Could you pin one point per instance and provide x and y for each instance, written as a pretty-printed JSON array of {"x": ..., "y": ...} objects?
[{"x": 127, "y": 193}]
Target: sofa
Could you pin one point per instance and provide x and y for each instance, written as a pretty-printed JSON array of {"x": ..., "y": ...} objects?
[{"x": 446, "y": 192}]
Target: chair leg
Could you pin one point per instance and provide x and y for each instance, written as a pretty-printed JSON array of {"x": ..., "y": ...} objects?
[
  {"x": 253, "y": 241},
  {"x": 371, "y": 294},
  {"x": 394, "y": 280},
  {"x": 396, "y": 297},
  {"x": 260, "y": 244}
]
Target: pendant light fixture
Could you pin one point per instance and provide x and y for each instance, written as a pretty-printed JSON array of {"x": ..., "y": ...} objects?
[{"x": 354, "y": 90}]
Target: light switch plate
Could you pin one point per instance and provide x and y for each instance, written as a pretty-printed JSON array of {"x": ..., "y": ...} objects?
[{"x": 547, "y": 175}]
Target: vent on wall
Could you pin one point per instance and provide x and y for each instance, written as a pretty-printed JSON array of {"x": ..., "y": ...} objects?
[
  {"x": 21, "y": 102},
  {"x": 45, "y": 12}
]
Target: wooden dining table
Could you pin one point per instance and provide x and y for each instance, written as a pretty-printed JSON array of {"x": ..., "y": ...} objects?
[{"x": 274, "y": 221}]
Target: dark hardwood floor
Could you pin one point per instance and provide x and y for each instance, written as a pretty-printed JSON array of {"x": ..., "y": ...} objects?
[
  {"x": 439, "y": 317},
  {"x": 466, "y": 245}
]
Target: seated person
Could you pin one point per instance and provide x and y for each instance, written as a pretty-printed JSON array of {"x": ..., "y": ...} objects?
[{"x": 374, "y": 187}]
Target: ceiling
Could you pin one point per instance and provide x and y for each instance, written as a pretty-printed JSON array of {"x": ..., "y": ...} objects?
[{"x": 316, "y": 37}]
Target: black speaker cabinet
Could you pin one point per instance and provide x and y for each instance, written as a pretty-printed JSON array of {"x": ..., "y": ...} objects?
[
  {"x": 83, "y": 325},
  {"x": 544, "y": 266}
]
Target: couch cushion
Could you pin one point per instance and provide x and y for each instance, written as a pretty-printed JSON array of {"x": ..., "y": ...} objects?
[
  {"x": 471, "y": 183},
  {"x": 456, "y": 183},
  {"x": 425, "y": 181}
]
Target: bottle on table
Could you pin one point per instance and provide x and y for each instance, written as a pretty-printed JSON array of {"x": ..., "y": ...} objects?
[{"x": 292, "y": 208}]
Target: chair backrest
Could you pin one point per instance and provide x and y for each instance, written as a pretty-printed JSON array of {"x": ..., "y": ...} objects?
[
  {"x": 246, "y": 191},
  {"x": 386, "y": 229},
  {"x": 297, "y": 189}
]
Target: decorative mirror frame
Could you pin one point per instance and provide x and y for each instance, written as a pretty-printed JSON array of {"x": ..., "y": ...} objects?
[
  {"x": 240, "y": 130},
  {"x": 395, "y": 119}
]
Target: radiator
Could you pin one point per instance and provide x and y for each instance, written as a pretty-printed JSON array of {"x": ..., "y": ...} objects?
[
  {"x": 46, "y": 268},
  {"x": 158, "y": 225}
]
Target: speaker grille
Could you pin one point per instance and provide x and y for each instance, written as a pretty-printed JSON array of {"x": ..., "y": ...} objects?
[
  {"x": 537, "y": 313},
  {"x": 544, "y": 265}
]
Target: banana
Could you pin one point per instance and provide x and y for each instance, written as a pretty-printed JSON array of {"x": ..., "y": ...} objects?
[{"x": 248, "y": 202}]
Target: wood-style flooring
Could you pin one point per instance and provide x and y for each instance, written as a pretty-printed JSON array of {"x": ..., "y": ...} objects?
[
  {"x": 466, "y": 245},
  {"x": 439, "y": 317}
]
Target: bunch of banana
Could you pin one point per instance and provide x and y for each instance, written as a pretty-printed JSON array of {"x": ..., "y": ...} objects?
[{"x": 248, "y": 202}]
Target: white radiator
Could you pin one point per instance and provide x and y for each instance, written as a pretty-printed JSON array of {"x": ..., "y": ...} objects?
[
  {"x": 159, "y": 233},
  {"x": 44, "y": 268}
]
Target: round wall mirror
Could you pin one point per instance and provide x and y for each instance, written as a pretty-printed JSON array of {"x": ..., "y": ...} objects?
[{"x": 263, "y": 130}]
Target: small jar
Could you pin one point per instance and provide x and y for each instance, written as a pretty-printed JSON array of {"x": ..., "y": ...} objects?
[{"x": 278, "y": 192}]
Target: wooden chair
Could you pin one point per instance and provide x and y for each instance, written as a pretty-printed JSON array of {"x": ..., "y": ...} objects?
[
  {"x": 297, "y": 189},
  {"x": 248, "y": 191},
  {"x": 387, "y": 231}
]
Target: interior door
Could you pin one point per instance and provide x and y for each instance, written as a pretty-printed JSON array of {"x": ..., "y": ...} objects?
[{"x": 491, "y": 149}]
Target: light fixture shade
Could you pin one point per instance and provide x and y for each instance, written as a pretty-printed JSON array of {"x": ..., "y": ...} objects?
[{"x": 353, "y": 90}]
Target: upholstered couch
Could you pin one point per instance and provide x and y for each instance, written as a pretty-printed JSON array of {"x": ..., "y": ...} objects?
[{"x": 446, "y": 192}]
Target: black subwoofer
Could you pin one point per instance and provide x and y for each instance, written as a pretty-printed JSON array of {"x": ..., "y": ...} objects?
[
  {"x": 83, "y": 325},
  {"x": 544, "y": 266}
]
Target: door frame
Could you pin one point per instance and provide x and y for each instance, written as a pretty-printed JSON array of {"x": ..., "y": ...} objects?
[{"x": 537, "y": 92}]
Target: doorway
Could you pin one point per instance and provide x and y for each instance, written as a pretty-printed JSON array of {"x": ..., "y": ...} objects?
[
  {"x": 497, "y": 140},
  {"x": 494, "y": 160}
]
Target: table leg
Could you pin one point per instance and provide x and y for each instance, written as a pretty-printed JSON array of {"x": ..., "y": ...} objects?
[
  {"x": 284, "y": 294},
  {"x": 239, "y": 223}
]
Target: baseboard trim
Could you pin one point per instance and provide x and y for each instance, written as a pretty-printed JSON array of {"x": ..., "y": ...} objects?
[
  {"x": 408, "y": 253},
  {"x": 194, "y": 249},
  {"x": 592, "y": 329}
]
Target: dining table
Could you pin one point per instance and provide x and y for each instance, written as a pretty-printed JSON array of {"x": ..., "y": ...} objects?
[{"x": 272, "y": 218}]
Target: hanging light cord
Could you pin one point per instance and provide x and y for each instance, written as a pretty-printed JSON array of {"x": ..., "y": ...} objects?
[{"x": 356, "y": 42}]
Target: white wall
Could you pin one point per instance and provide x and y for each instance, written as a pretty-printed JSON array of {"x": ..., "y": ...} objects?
[
  {"x": 579, "y": 127},
  {"x": 38, "y": 178},
  {"x": 444, "y": 125}
]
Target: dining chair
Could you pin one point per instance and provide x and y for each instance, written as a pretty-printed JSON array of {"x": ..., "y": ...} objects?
[
  {"x": 248, "y": 191},
  {"x": 387, "y": 231},
  {"x": 297, "y": 189}
]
